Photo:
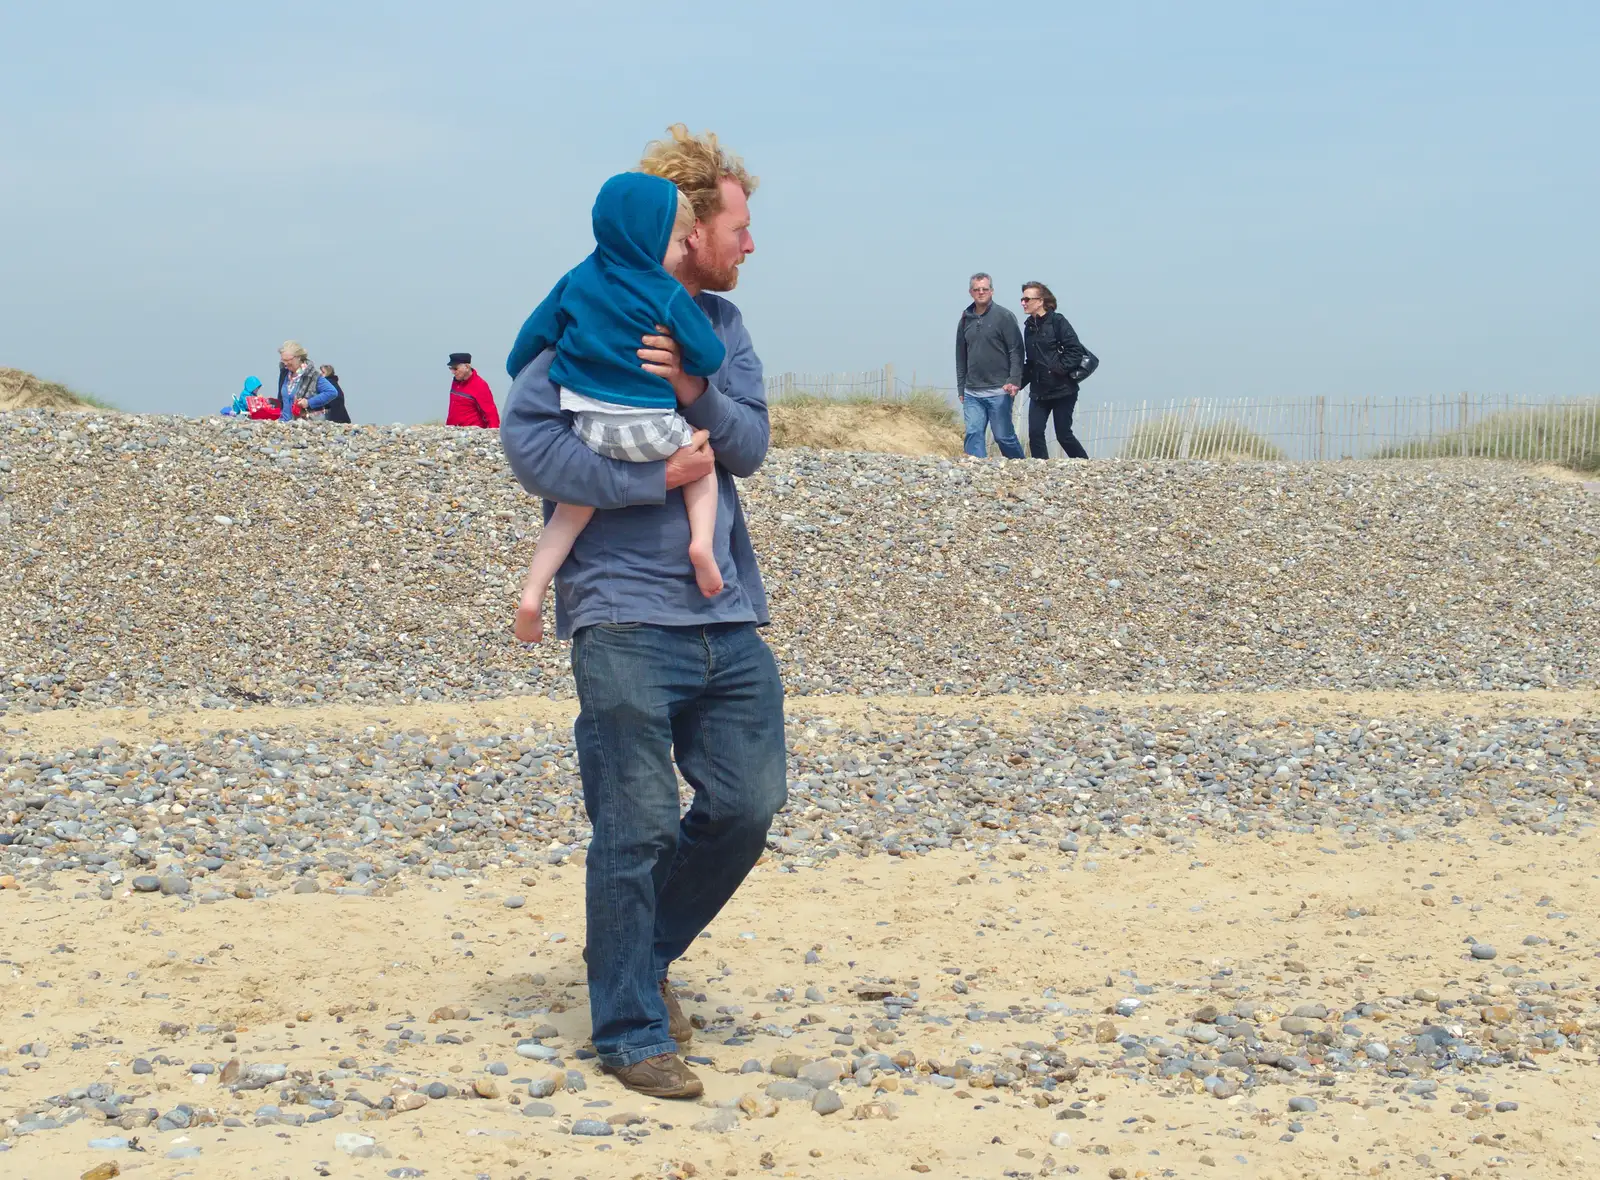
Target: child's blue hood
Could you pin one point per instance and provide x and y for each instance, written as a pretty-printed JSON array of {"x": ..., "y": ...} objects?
[
  {"x": 633, "y": 218},
  {"x": 602, "y": 308}
]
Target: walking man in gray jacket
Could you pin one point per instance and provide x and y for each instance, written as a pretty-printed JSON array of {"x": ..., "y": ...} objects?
[
  {"x": 664, "y": 674},
  {"x": 988, "y": 370}
]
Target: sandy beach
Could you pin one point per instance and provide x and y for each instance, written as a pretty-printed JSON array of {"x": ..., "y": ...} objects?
[{"x": 1043, "y": 945}]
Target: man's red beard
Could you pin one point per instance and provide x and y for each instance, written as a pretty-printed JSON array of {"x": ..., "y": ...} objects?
[{"x": 709, "y": 278}]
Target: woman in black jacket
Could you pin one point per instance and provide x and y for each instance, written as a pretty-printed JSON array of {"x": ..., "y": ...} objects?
[
  {"x": 335, "y": 410},
  {"x": 1052, "y": 354}
]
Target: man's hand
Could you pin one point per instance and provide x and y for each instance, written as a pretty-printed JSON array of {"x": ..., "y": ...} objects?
[
  {"x": 661, "y": 356},
  {"x": 1011, "y": 389},
  {"x": 695, "y": 461}
]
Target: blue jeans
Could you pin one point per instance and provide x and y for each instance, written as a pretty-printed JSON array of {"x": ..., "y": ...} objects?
[
  {"x": 709, "y": 698},
  {"x": 990, "y": 411}
]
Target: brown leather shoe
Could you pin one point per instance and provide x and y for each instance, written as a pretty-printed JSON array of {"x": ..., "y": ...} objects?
[
  {"x": 677, "y": 1023},
  {"x": 662, "y": 1076}
]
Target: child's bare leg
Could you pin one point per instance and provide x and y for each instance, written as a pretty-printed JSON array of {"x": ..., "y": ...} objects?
[
  {"x": 554, "y": 544},
  {"x": 700, "y": 499}
]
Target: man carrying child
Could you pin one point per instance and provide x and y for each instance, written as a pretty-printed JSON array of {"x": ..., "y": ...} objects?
[{"x": 664, "y": 670}]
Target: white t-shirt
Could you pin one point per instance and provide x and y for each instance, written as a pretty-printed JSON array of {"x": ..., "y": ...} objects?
[{"x": 577, "y": 403}]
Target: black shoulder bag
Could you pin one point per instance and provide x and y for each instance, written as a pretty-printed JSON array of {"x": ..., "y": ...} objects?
[{"x": 1088, "y": 363}]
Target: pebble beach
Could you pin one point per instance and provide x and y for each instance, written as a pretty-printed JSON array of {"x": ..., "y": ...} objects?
[{"x": 1145, "y": 820}]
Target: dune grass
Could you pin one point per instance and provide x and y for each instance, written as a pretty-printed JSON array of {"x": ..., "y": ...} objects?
[
  {"x": 926, "y": 405},
  {"x": 921, "y": 423},
  {"x": 1163, "y": 438},
  {"x": 1563, "y": 436},
  {"x": 20, "y": 388}
]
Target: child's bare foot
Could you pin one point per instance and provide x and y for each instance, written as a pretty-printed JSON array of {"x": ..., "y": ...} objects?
[
  {"x": 529, "y": 627},
  {"x": 706, "y": 574}
]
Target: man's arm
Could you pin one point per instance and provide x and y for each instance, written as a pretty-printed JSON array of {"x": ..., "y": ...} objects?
[
  {"x": 961, "y": 358},
  {"x": 1014, "y": 349},
  {"x": 549, "y": 460},
  {"x": 733, "y": 407},
  {"x": 484, "y": 396}
]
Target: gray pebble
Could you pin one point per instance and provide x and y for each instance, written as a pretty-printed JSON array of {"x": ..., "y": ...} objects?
[
  {"x": 592, "y": 1127},
  {"x": 820, "y": 1073},
  {"x": 827, "y": 1102},
  {"x": 719, "y": 1121},
  {"x": 359, "y": 1146},
  {"x": 791, "y": 1091}
]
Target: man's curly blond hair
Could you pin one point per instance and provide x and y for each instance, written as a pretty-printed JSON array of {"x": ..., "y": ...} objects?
[{"x": 698, "y": 165}]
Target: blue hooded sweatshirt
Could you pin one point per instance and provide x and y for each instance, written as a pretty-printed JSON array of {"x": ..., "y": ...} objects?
[
  {"x": 601, "y": 308},
  {"x": 251, "y": 384}
]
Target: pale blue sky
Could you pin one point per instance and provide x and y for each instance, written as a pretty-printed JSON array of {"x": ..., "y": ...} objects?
[{"x": 1230, "y": 199}]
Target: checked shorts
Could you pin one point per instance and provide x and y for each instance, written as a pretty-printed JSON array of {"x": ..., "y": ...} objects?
[{"x": 633, "y": 438}]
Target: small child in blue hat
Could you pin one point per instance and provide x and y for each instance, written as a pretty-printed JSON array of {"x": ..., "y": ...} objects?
[
  {"x": 595, "y": 318},
  {"x": 240, "y": 399}
]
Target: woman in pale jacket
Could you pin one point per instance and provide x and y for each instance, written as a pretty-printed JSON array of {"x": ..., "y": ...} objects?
[{"x": 299, "y": 383}]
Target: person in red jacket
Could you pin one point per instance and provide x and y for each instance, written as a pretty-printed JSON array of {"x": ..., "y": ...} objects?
[{"x": 471, "y": 401}]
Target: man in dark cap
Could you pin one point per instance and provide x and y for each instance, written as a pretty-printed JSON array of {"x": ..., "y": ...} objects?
[{"x": 471, "y": 401}]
